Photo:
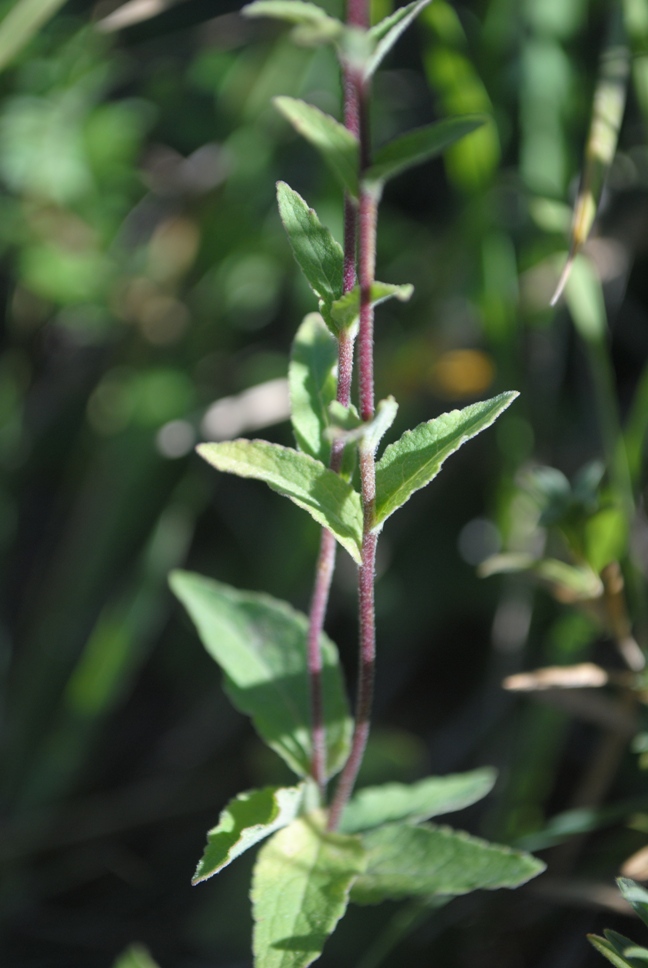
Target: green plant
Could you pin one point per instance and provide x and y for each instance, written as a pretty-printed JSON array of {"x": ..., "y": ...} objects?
[
  {"x": 619, "y": 950},
  {"x": 279, "y": 666}
]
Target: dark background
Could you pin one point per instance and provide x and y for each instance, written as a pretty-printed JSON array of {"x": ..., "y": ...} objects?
[{"x": 145, "y": 275}]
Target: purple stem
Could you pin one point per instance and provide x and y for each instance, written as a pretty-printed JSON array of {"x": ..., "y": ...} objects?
[
  {"x": 356, "y": 15},
  {"x": 321, "y": 589},
  {"x": 368, "y": 211}
]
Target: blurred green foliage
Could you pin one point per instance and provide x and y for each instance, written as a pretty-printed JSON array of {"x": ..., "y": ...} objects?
[{"x": 147, "y": 286}]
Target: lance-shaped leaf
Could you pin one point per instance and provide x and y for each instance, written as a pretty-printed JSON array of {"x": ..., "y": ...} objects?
[
  {"x": 337, "y": 146},
  {"x": 406, "y": 861},
  {"x": 313, "y": 25},
  {"x": 260, "y": 644},
  {"x": 385, "y": 34},
  {"x": 246, "y": 820},
  {"x": 416, "y": 459},
  {"x": 418, "y": 146},
  {"x": 607, "y": 115},
  {"x": 375, "y": 806},
  {"x": 300, "y": 890},
  {"x": 313, "y": 383},
  {"x": 318, "y": 255},
  {"x": 331, "y": 501},
  {"x": 619, "y": 950},
  {"x": 344, "y": 312},
  {"x": 636, "y": 896}
]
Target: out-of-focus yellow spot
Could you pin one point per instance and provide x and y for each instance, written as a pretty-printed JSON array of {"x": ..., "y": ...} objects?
[
  {"x": 462, "y": 373},
  {"x": 173, "y": 248}
]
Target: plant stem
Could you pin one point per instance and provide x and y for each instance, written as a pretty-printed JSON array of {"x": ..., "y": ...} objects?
[
  {"x": 368, "y": 211},
  {"x": 357, "y": 15}
]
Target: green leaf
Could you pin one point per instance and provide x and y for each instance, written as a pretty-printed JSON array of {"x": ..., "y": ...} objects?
[
  {"x": 313, "y": 25},
  {"x": 414, "y": 803},
  {"x": 608, "y": 951},
  {"x": 247, "y": 819},
  {"x": 344, "y": 312},
  {"x": 416, "y": 459},
  {"x": 21, "y": 23},
  {"x": 331, "y": 501},
  {"x": 369, "y": 433},
  {"x": 136, "y": 956},
  {"x": 300, "y": 890},
  {"x": 260, "y": 644},
  {"x": 418, "y": 146},
  {"x": 636, "y": 896},
  {"x": 570, "y": 582},
  {"x": 318, "y": 255},
  {"x": 337, "y": 146},
  {"x": 313, "y": 382},
  {"x": 405, "y": 861},
  {"x": 607, "y": 115},
  {"x": 626, "y": 948},
  {"x": 385, "y": 34}
]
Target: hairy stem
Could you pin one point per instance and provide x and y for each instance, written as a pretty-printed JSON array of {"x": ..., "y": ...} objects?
[
  {"x": 325, "y": 567},
  {"x": 368, "y": 211},
  {"x": 322, "y": 586}
]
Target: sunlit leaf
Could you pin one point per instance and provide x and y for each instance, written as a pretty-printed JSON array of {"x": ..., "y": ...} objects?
[
  {"x": 260, "y": 644},
  {"x": 300, "y": 890},
  {"x": 247, "y": 819},
  {"x": 418, "y": 146},
  {"x": 415, "y": 802},
  {"x": 619, "y": 950},
  {"x": 636, "y": 896},
  {"x": 416, "y": 459},
  {"x": 312, "y": 380},
  {"x": 609, "y": 951},
  {"x": 337, "y": 146},
  {"x": 318, "y": 255},
  {"x": 406, "y": 861},
  {"x": 331, "y": 501},
  {"x": 385, "y": 34},
  {"x": 313, "y": 25}
]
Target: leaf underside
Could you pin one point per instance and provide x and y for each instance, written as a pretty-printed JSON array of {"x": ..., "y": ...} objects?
[
  {"x": 260, "y": 644},
  {"x": 416, "y": 459},
  {"x": 385, "y": 34},
  {"x": 300, "y": 890},
  {"x": 330, "y": 500},
  {"x": 406, "y": 861}
]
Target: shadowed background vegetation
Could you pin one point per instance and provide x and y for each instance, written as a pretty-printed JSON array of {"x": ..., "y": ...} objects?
[{"x": 149, "y": 298}]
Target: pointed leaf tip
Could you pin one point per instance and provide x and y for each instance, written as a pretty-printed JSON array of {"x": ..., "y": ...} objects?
[
  {"x": 338, "y": 147},
  {"x": 316, "y": 252},
  {"x": 246, "y": 820},
  {"x": 406, "y": 861},
  {"x": 260, "y": 644},
  {"x": 416, "y": 459}
]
